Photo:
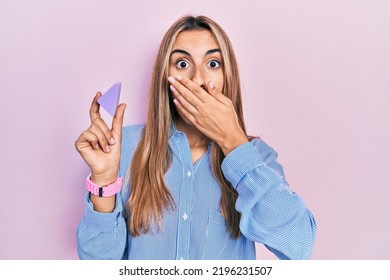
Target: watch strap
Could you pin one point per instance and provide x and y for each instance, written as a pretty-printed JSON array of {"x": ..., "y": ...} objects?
[{"x": 103, "y": 191}]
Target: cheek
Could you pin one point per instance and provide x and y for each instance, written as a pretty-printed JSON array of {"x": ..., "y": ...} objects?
[
  {"x": 218, "y": 80},
  {"x": 173, "y": 71},
  {"x": 219, "y": 85}
]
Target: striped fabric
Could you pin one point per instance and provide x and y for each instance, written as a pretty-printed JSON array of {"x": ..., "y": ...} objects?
[{"x": 271, "y": 213}]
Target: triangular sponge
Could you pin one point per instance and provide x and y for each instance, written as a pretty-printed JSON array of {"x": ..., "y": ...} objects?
[{"x": 110, "y": 99}]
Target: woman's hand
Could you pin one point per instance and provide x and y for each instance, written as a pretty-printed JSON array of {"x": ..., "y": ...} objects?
[
  {"x": 209, "y": 111},
  {"x": 100, "y": 146}
]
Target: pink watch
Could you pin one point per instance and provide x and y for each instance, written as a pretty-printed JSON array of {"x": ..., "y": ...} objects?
[{"x": 109, "y": 190}]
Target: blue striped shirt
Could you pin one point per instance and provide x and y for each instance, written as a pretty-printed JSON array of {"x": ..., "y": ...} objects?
[{"x": 271, "y": 213}]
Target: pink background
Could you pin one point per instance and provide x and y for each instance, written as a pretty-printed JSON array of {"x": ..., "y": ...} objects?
[{"x": 316, "y": 88}]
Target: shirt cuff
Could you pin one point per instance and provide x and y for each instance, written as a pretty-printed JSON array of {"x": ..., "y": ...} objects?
[
  {"x": 103, "y": 221},
  {"x": 240, "y": 161}
]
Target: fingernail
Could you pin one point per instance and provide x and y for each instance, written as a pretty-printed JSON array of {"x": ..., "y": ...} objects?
[
  {"x": 97, "y": 146},
  {"x": 211, "y": 84},
  {"x": 171, "y": 79},
  {"x": 107, "y": 149},
  {"x": 178, "y": 77},
  {"x": 172, "y": 87},
  {"x": 112, "y": 141}
]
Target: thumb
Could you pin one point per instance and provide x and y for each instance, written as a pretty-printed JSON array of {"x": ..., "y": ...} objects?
[{"x": 117, "y": 121}]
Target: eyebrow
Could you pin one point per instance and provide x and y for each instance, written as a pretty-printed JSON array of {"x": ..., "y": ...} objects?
[{"x": 187, "y": 53}]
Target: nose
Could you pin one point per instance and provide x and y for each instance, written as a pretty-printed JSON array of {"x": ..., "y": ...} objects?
[{"x": 199, "y": 77}]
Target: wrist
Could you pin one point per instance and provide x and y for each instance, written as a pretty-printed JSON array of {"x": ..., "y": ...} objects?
[
  {"x": 104, "y": 191},
  {"x": 104, "y": 179},
  {"x": 230, "y": 143}
]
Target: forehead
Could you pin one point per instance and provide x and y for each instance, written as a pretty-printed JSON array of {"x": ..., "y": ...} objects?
[{"x": 195, "y": 40}]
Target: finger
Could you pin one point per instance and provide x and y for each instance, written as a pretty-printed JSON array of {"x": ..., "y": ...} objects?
[
  {"x": 117, "y": 121},
  {"x": 102, "y": 140},
  {"x": 88, "y": 136},
  {"x": 190, "y": 96},
  {"x": 106, "y": 131},
  {"x": 214, "y": 92},
  {"x": 95, "y": 106},
  {"x": 184, "y": 111},
  {"x": 194, "y": 88},
  {"x": 184, "y": 103},
  {"x": 86, "y": 139},
  {"x": 211, "y": 88}
]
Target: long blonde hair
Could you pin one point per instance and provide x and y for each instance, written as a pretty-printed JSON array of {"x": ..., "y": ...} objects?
[{"x": 150, "y": 195}]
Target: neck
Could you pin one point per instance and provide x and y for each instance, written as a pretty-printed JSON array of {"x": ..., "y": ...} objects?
[{"x": 194, "y": 136}]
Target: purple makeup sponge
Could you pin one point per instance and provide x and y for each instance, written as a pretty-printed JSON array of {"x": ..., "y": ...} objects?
[{"x": 110, "y": 99}]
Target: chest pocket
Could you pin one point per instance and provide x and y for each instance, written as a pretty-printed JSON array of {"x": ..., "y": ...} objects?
[{"x": 219, "y": 244}]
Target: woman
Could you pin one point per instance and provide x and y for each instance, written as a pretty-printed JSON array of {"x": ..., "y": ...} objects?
[{"x": 196, "y": 186}]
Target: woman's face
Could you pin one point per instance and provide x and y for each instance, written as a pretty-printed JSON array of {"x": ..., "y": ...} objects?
[{"x": 196, "y": 56}]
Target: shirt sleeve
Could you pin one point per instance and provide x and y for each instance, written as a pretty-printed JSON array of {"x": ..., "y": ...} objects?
[
  {"x": 270, "y": 212},
  {"x": 102, "y": 235},
  {"x": 105, "y": 235}
]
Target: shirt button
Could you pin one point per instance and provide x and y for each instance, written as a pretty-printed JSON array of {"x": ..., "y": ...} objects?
[
  {"x": 185, "y": 216},
  {"x": 189, "y": 173}
]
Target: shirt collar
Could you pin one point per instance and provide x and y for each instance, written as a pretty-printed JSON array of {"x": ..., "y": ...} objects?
[{"x": 174, "y": 132}]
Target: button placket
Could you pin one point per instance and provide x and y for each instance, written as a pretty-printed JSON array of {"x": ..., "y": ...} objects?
[{"x": 185, "y": 201}]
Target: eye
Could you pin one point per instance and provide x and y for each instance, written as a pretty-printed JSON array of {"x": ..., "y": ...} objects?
[
  {"x": 214, "y": 64},
  {"x": 180, "y": 64}
]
